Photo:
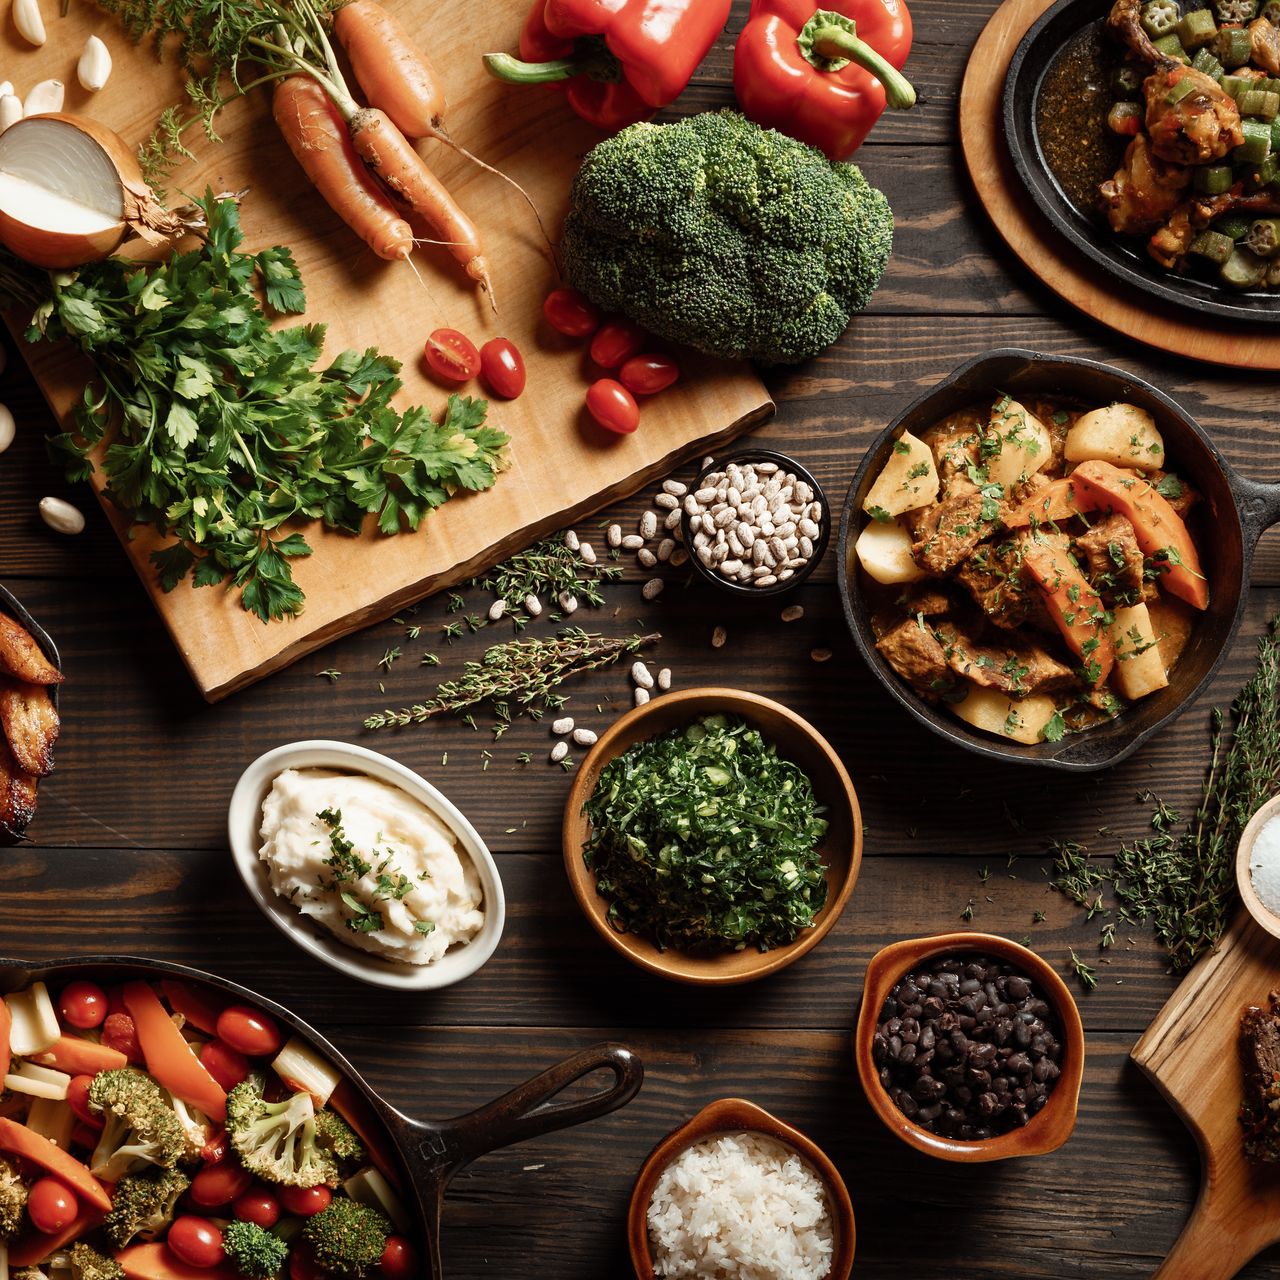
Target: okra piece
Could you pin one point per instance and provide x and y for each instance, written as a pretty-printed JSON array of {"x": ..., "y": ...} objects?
[
  {"x": 1171, "y": 47},
  {"x": 1271, "y": 11},
  {"x": 1240, "y": 11},
  {"x": 1206, "y": 63},
  {"x": 1233, "y": 227},
  {"x": 1125, "y": 118},
  {"x": 1233, "y": 47},
  {"x": 1263, "y": 238},
  {"x": 1243, "y": 270},
  {"x": 1126, "y": 80},
  {"x": 1256, "y": 146},
  {"x": 1197, "y": 28},
  {"x": 1181, "y": 89},
  {"x": 1264, "y": 174},
  {"x": 1213, "y": 179},
  {"x": 1159, "y": 17},
  {"x": 1234, "y": 86},
  {"x": 1214, "y": 246},
  {"x": 1257, "y": 102}
]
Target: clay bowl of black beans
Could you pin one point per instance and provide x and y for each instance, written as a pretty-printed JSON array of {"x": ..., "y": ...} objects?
[{"x": 970, "y": 1047}]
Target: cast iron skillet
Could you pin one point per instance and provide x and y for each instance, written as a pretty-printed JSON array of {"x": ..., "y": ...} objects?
[
  {"x": 1227, "y": 524},
  {"x": 430, "y": 1153},
  {"x": 1124, "y": 258}
]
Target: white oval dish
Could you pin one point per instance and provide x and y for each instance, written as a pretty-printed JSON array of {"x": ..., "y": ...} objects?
[
  {"x": 1244, "y": 871},
  {"x": 244, "y": 821}
]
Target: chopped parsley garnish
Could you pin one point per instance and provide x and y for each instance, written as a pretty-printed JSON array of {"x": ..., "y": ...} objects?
[
  {"x": 1170, "y": 487},
  {"x": 879, "y": 515}
]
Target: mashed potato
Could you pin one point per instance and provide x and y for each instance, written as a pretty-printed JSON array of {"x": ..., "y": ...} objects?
[{"x": 400, "y": 888}]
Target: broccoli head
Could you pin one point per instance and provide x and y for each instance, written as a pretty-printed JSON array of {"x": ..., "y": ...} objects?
[
  {"x": 278, "y": 1140},
  {"x": 337, "y": 1136},
  {"x": 13, "y": 1199},
  {"x": 88, "y": 1264},
  {"x": 347, "y": 1238},
  {"x": 730, "y": 238},
  {"x": 141, "y": 1128},
  {"x": 254, "y": 1251},
  {"x": 143, "y": 1204}
]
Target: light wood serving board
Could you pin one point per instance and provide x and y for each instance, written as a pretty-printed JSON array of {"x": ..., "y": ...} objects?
[
  {"x": 1191, "y": 1054},
  {"x": 1045, "y": 253},
  {"x": 562, "y": 465}
]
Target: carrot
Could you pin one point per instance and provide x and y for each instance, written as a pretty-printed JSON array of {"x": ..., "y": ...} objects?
[
  {"x": 403, "y": 171},
  {"x": 170, "y": 1059},
  {"x": 20, "y": 1141},
  {"x": 1075, "y": 607},
  {"x": 317, "y": 135},
  {"x": 394, "y": 74},
  {"x": 79, "y": 1057},
  {"x": 196, "y": 1006},
  {"x": 1161, "y": 533},
  {"x": 38, "y": 1245},
  {"x": 347, "y": 1101},
  {"x": 159, "y": 1262},
  {"x": 1047, "y": 505}
]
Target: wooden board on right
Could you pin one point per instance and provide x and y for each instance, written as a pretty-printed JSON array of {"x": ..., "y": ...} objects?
[{"x": 1191, "y": 1054}]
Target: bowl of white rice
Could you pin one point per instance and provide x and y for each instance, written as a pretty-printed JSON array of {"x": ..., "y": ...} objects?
[{"x": 736, "y": 1194}]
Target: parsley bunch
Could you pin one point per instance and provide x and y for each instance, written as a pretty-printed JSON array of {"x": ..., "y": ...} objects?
[{"x": 219, "y": 430}]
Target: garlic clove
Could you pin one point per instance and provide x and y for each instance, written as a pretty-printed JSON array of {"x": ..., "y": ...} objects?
[
  {"x": 61, "y": 516},
  {"x": 10, "y": 110},
  {"x": 46, "y": 97},
  {"x": 94, "y": 66},
  {"x": 8, "y": 428},
  {"x": 26, "y": 17}
]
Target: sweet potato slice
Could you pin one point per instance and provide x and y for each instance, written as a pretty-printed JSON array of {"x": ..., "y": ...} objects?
[
  {"x": 21, "y": 657},
  {"x": 17, "y": 796},
  {"x": 30, "y": 723}
]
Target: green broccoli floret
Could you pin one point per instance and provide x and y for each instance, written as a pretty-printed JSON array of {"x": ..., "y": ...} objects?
[
  {"x": 347, "y": 1238},
  {"x": 88, "y": 1264},
  {"x": 13, "y": 1199},
  {"x": 141, "y": 1128},
  {"x": 731, "y": 238},
  {"x": 278, "y": 1140},
  {"x": 253, "y": 1251},
  {"x": 142, "y": 1204},
  {"x": 337, "y": 1136}
]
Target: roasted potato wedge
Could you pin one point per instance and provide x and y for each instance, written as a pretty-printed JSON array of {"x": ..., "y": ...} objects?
[
  {"x": 21, "y": 657},
  {"x": 17, "y": 796},
  {"x": 30, "y": 723}
]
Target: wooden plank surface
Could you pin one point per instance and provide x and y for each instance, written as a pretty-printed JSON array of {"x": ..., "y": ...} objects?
[{"x": 562, "y": 466}]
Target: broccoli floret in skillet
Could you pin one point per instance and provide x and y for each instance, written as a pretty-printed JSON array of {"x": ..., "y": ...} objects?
[
  {"x": 253, "y": 1251},
  {"x": 278, "y": 1140},
  {"x": 13, "y": 1199},
  {"x": 337, "y": 1136},
  {"x": 88, "y": 1264},
  {"x": 141, "y": 1128},
  {"x": 143, "y": 1204},
  {"x": 347, "y": 1238}
]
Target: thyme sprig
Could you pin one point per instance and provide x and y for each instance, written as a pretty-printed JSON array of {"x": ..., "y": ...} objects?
[{"x": 546, "y": 569}]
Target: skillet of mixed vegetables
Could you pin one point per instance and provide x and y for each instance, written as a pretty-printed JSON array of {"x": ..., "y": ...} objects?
[
  {"x": 157, "y": 1131},
  {"x": 1034, "y": 567}
]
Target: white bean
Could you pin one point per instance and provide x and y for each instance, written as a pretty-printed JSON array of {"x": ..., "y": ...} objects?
[
  {"x": 562, "y": 726},
  {"x": 8, "y": 427},
  {"x": 532, "y": 605},
  {"x": 571, "y": 539},
  {"x": 584, "y": 737},
  {"x": 652, "y": 589},
  {"x": 718, "y": 637},
  {"x": 646, "y": 557},
  {"x": 559, "y": 751},
  {"x": 649, "y": 525},
  {"x": 641, "y": 696},
  {"x": 675, "y": 488},
  {"x": 642, "y": 675},
  {"x": 792, "y": 613},
  {"x": 664, "y": 678},
  {"x": 497, "y": 609},
  {"x": 587, "y": 552},
  {"x": 614, "y": 535}
]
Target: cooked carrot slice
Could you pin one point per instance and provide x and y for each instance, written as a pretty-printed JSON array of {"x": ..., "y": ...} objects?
[
  {"x": 194, "y": 1005},
  {"x": 1076, "y": 608},
  {"x": 169, "y": 1058},
  {"x": 20, "y": 1141},
  {"x": 35, "y": 1246},
  {"x": 159, "y": 1262},
  {"x": 79, "y": 1057}
]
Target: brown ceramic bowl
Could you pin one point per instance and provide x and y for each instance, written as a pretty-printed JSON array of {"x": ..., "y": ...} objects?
[
  {"x": 797, "y": 740},
  {"x": 734, "y": 1115},
  {"x": 1266, "y": 918},
  {"x": 1044, "y": 1132}
]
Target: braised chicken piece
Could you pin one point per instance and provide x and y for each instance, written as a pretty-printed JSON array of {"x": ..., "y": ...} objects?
[
  {"x": 1264, "y": 43},
  {"x": 1018, "y": 670},
  {"x": 1170, "y": 243},
  {"x": 1144, "y": 191},
  {"x": 1113, "y": 560},
  {"x": 949, "y": 531},
  {"x": 993, "y": 576},
  {"x": 954, "y": 444},
  {"x": 915, "y": 654},
  {"x": 926, "y": 599}
]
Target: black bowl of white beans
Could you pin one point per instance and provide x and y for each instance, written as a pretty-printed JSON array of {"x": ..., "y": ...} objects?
[{"x": 756, "y": 524}]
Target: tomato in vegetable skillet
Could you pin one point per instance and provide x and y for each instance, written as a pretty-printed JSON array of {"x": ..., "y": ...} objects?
[
  {"x": 226, "y": 1065},
  {"x": 258, "y": 1206},
  {"x": 78, "y": 1101},
  {"x": 399, "y": 1261},
  {"x": 196, "y": 1241},
  {"x": 502, "y": 368},
  {"x": 51, "y": 1205},
  {"x": 249, "y": 1032},
  {"x": 452, "y": 356},
  {"x": 83, "y": 1005},
  {"x": 219, "y": 1184},
  {"x": 304, "y": 1201},
  {"x": 613, "y": 406}
]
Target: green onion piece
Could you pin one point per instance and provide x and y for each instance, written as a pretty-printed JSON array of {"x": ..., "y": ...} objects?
[
  {"x": 1233, "y": 47},
  {"x": 1243, "y": 270},
  {"x": 1207, "y": 64},
  {"x": 1256, "y": 146},
  {"x": 1213, "y": 179},
  {"x": 1214, "y": 246},
  {"x": 1176, "y": 92},
  {"x": 1159, "y": 17},
  {"x": 1197, "y": 28}
]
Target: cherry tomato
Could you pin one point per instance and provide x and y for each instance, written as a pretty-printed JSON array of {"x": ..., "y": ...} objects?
[
  {"x": 617, "y": 341},
  {"x": 302, "y": 1202},
  {"x": 119, "y": 1033},
  {"x": 613, "y": 406},
  {"x": 502, "y": 367},
  {"x": 249, "y": 1031},
  {"x": 51, "y": 1205},
  {"x": 647, "y": 374},
  {"x": 85, "y": 1136},
  {"x": 78, "y": 1100},
  {"x": 399, "y": 1259},
  {"x": 219, "y": 1184},
  {"x": 570, "y": 313},
  {"x": 83, "y": 1005},
  {"x": 258, "y": 1206},
  {"x": 215, "y": 1148},
  {"x": 302, "y": 1265},
  {"x": 196, "y": 1241},
  {"x": 452, "y": 355},
  {"x": 226, "y": 1065}
]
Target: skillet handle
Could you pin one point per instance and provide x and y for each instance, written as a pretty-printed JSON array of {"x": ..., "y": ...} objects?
[
  {"x": 529, "y": 1110},
  {"x": 1259, "y": 506}
]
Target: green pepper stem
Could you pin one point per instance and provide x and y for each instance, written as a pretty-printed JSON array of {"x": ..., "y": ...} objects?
[
  {"x": 503, "y": 66},
  {"x": 836, "y": 43}
]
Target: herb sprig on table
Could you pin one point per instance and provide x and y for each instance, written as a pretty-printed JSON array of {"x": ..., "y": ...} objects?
[
  {"x": 218, "y": 430},
  {"x": 704, "y": 839}
]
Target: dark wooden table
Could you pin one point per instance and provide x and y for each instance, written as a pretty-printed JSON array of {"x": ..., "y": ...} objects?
[{"x": 128, "y": 853}]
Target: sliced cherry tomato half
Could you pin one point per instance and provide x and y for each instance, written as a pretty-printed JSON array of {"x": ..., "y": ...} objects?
[
  {"x": 502, "y": 368},
  {"x": 617, "y": 341},
  {"x": 196, "y": 1241},
  {"x": 613, "y": 406},
  {"x": 451, "y": 356},
  {"x": 51, "y": 1205},
  {"x": 571, "y": 313},
  {"x": 648, "y": 373},
  {"x": 258, "y": 1206},
  {"x": 226, "y": 1065},
  {"x": 119, "y": 1033},
  {"x": 83, "y": 1005},
  {"x": 78, "y": 1101},
  {"x": 219, "y": 1184},
  {"x": 399, "y": 1259},
  {"x": 302, "y": 1202},
  {"x": 249, "y": 1032}
]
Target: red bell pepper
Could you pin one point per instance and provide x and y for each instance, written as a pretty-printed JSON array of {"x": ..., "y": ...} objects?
[
  {"x": 618, "y": 61},
  {"x": 823, "y": 77}
]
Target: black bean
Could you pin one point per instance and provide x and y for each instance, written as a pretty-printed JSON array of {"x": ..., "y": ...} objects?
[
  {"x": 908, "y": 1055},
  {"x": 1018, "y": 987},
  {"x": 969, "y": 986}
]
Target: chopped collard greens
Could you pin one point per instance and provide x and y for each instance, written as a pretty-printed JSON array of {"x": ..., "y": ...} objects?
[{"x": 705, "y": 840}]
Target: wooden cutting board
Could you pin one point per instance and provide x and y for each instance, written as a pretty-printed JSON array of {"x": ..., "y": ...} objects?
[
  {"x": 563, "y": 466},
  {"x": 1191, "y": 1054}
]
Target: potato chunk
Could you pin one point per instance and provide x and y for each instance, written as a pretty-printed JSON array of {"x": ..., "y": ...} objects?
[
  {"x": 884, "y": 551},
  {"x": 1139, "y": 668},
  {"x": 909, "y": 479},
  {"x": 1015, "y": 445},
  {"x": 992, "y": 712},
  {"x": 1121, "y": 434}
]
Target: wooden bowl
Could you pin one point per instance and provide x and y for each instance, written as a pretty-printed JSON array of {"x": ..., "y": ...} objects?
[
  {"x": 796, "y": 740},
  {"x": 1045, "y": 1131},
  {"x": 1266, "y": 918},
  {"x": 734, "y": 1115}
]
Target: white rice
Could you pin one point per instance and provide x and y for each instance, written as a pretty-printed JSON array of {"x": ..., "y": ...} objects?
[{"x": 740, "y": 1207}]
